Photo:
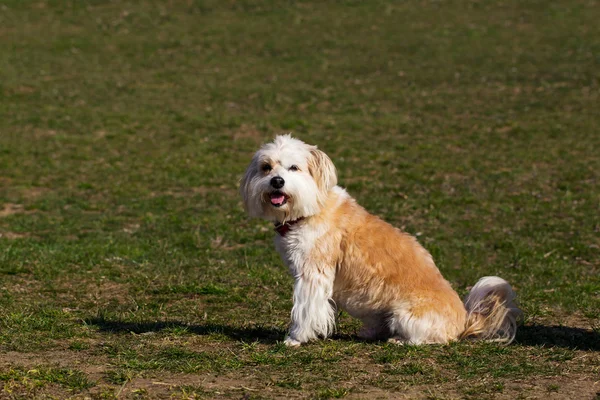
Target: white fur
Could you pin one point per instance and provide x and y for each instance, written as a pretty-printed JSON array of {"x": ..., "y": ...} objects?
[
  {"x": 299, "y": 185},
  {"x": 305, "y": 248},
  {"x": 405, "y": 328},
  {"x": 313, "y": 313}
]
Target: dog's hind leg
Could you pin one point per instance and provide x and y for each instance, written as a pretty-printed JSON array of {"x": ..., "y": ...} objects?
[
  {"x": 374, "y": 328},
  {"x": 428, "y": 328}
]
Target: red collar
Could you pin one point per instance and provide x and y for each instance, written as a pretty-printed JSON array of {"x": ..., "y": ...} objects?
[{"x": 282, "y": 229}]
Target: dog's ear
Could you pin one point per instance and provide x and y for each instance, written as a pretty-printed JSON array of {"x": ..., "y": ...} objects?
[
  {"x": 244, "y": 185},
  {"x": 322, "y": 170}
]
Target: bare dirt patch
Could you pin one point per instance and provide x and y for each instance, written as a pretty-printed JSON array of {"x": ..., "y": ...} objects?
[
  {"x": 21, "y": 284},
  {"x": 92, "y": 365},
  {"x": 572, "y": 320},
  {"x": 11, "y": 209},
  {"x": 44, "y": 133},
  {"x": 563, "y": 387},
  {"x": 100, "y": 134},
  {"x": 100, "y": 293},
  {"x": 212, "y": 385},
  {"x": 405, "y": 392},
  {"x": 13, "y": 235},
  {"x": 34, "y": 192}
]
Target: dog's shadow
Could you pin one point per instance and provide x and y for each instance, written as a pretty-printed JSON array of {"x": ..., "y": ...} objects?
[
  {"x": 558, "y": 336},
  {"x": 532, "y": 335},
  {"x": 265, "y": 335}
]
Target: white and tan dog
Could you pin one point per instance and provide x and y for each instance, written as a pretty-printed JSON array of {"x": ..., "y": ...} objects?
[{"x": 342, "y": 256}]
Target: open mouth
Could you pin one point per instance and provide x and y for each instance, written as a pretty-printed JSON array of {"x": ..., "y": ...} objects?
[{"x": 278, "y": 198}]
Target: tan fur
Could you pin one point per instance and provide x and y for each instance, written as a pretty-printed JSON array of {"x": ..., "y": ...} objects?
[
  {"x": 378, "y": 265},
  {"x": 342, "y": 254},
  {"x": 322, "y": 169}
]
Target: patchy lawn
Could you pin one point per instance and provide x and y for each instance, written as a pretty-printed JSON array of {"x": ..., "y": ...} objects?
[{"x": 129, "y": 270}]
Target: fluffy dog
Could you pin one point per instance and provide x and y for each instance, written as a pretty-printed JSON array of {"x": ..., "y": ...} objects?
[{"x": 342, "y": 256}]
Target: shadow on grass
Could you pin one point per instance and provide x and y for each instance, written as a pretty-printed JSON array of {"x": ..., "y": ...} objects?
[
  {"x": 249, "y": 334},
  {"x": 559, "y": 336},
  {"x": 534, "y": 335}
]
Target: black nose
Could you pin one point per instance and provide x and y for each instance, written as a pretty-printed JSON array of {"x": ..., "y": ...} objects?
[{"x": 277, "y": 182}]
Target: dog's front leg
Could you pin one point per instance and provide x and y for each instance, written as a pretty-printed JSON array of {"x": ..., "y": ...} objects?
[{"x": 313, "y": 313}]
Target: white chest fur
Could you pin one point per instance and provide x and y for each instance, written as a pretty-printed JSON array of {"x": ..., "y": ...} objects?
[{"x": 297, "y": 246}]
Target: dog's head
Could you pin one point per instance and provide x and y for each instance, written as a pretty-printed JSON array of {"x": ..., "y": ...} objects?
[{"x": 286, "y": 180}]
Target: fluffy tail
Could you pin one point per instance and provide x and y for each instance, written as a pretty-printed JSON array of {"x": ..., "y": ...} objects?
[{"x": 491, "y": 311}]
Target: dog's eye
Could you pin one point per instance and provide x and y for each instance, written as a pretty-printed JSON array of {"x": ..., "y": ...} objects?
[
  {"x": 267, "y": 167},
  {"x": 294, "y": 168}
]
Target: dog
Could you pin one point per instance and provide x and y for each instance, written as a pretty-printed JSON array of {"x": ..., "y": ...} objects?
[{"x": 343, "y": 257}]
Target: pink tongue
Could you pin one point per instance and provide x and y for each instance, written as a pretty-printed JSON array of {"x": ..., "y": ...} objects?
[{"x": 277, "y": 198}]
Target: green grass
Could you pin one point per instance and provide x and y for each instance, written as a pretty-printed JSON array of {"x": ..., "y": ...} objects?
[
  {"x": 17, "y": 380},
  {"x": 129, "y": 269}
]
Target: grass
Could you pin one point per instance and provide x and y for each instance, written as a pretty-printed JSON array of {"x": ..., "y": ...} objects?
[
  {"x": 127, "y": 265},
  {"x": 17, "y": 381}
]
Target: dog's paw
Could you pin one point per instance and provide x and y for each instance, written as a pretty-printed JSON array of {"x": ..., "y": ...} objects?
[
  {"x": 397, "y": 340},
  {"x": 289, "y": 342}
]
